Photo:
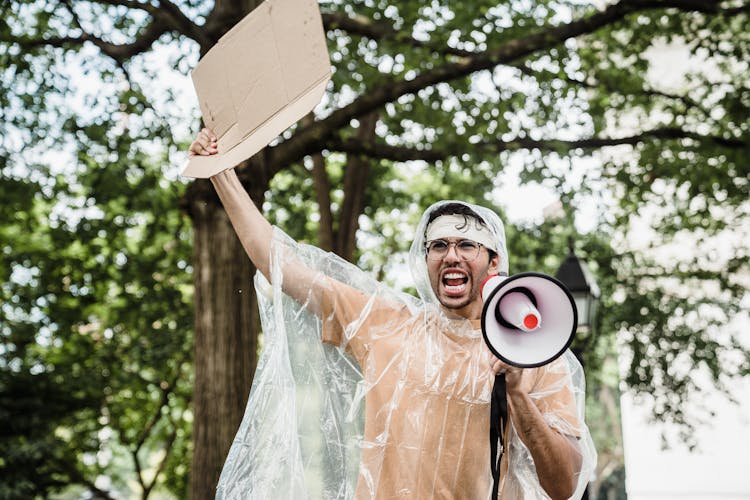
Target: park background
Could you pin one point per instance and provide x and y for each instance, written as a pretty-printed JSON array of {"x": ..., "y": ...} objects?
[{"x": 128, "y": 324}]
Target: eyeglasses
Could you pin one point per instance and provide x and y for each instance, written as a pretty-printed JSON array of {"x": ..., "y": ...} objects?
[{"x": 465, "y": 249}]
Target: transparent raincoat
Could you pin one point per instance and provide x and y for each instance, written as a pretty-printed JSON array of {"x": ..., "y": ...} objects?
[{"x": 364, "y": 392}]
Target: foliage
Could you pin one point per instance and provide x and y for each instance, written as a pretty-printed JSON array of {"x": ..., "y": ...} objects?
[{"x": 95, "y": 322}]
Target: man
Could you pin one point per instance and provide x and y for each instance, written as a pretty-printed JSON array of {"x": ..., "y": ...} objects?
[{"x": 426, "y": 375}]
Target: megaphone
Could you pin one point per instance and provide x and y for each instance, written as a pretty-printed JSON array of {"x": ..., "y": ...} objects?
[{"x": 528, "y": 319}]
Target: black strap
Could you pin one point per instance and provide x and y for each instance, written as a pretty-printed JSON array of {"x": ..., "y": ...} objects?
[{"x": 498, "y": 421}]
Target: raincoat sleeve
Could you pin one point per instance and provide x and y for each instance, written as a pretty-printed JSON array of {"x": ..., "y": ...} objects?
[
  {"x": 558, "y": 392},
  {"x": 553, "y": 395},
  {"x": 303, "y": 430},
  {"x": 299, "y": 438},
  {"x": 353, "y": 320}
]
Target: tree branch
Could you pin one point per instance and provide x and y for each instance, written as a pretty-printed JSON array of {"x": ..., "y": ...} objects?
[
  {"x": 77, "y": 478},
  {"x": 322, "y": 186},
  {"x": 312, "y": 138},
  {"x": 436, "y": 153},
  {"x": 168, "y": 13},
  {"x": 165, "y": 19},
  {"x": 356, "y": 177},
  {"x": 388, "y": 152},
  {"x": 162, "y": 464},
  {"x": 130, "y": 4},
  {"x": 118, "y": 52},
  {"x": 142, "y": 42},
  {"x": 164, "y": 401},
  {"x": 180, "y": 23},
  {"x": 138, "y": 469},
  {"x": 379, "y": 30},
  {"x": 688, "y": 5},
  {"x": 687, "y": 101}
]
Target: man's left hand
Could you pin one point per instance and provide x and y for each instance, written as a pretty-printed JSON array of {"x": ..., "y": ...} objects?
[{"x": 514, "y": 379}]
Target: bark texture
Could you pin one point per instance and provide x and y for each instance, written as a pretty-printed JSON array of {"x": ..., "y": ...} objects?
[{"x": 226, "y": 333}]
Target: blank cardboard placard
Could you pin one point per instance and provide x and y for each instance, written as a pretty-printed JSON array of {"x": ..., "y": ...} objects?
[{"x": 262, "y": 76}]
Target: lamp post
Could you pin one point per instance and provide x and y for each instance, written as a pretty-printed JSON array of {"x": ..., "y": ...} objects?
[{"x": 575, "y": 275}]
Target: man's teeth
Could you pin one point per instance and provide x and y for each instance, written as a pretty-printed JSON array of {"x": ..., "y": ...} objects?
[{"x": 455, "y": 282}]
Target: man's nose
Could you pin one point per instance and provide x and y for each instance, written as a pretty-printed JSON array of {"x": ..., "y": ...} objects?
[{"x": 452, "y": 254}]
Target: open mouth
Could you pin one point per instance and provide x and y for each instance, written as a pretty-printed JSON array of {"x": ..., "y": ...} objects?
[{"x": 454, "y": 282}]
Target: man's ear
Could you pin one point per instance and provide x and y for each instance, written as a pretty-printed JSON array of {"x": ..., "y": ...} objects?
[{"x": 494, "y": 265}]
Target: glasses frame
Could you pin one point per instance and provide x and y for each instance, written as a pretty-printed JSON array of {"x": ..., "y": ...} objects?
[{"x": 454, "y": 244}]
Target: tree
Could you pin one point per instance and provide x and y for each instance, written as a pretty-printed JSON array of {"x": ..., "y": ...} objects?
[
  {"x": 457, "y": 94},
  {"x": 96, "y": 332}
]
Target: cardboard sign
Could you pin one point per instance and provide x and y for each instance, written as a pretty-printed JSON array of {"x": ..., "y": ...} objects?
[{"x": 262, "y": 76}]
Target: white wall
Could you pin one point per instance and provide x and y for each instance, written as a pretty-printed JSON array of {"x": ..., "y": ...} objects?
[{"x": 719, "y": 468}]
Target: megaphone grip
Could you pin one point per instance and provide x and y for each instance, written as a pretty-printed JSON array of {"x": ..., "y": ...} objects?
[{"x": 498, "y": 421}]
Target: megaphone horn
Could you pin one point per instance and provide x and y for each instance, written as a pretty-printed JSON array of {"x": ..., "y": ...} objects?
[{"x": 528, "y": 319}]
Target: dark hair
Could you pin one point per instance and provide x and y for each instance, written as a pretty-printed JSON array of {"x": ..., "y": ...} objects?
[
  {"x": 459, "y": 209},
  {"x": 455, "y": 209}
]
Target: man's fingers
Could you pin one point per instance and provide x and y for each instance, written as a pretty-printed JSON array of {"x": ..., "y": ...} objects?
[
  {"x": 209, "y": 134},
  {"x": 207, "y": 140},
  {"x": 205, "y": 144},
  {"x": 197, "y": 148},
  {"x": 496, "y": 365},
  {"x": 204, "y": 138}
]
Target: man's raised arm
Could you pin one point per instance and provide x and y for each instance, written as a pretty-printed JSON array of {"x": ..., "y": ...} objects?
[{"x": 254, "y": 231}]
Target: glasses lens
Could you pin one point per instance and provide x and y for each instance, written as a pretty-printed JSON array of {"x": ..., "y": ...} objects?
[
  {"x": 467, "y": 250},
  {"x": 437, "y": 249}
]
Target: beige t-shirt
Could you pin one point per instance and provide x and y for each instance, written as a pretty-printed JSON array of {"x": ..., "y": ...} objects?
[{"x": 427, "y": 403}]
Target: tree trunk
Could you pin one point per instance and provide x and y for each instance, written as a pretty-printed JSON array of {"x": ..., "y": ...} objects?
[
  {"x": 227, "y": 322},
  {"x": 322, "y": 194},
  {"x": 226, "y": 333},
  {"x": 356, "y": 180}
]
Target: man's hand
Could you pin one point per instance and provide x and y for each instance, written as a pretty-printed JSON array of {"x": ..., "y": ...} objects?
[
  {"x": 514, "y": 379},
  {"x": 205, "y": 144}
]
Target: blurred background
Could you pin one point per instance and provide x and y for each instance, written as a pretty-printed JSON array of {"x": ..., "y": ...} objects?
[{"x": 615, "y": 133}]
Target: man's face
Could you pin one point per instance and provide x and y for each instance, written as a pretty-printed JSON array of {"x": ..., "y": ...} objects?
[{"x": 457, "y": 282}]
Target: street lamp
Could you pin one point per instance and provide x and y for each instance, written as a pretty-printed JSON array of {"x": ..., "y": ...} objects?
[{"x": 575, "y": 275}]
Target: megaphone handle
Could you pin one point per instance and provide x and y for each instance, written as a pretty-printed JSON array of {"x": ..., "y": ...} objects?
[{"x": 498, "y": 421}]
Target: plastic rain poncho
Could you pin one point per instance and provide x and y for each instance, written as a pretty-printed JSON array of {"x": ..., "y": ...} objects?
[{"x": 381, "y": 395}]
